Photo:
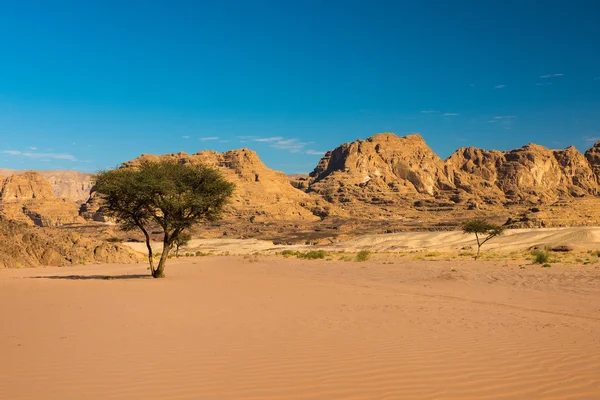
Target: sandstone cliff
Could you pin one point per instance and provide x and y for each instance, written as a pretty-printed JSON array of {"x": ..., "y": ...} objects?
[
  {"x": 261, "y": 194},
  {"x": 71, "y": 185},
  {"x": 593, "y": 158},
  {"x": 26, "y": 246},
  {"x": 29, "y": 198},
  {"x": 387, "y": 170}
]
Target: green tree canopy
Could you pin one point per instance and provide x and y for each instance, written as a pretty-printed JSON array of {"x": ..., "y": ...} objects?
[
  {"x": 168, "y": 194},
  {"x": 483, "y": 231}
]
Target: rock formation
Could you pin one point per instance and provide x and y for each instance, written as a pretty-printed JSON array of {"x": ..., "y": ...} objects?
[
  {"x": 593, "y": 158},
  {"x": 71, "y": 185},
  {"x": 25, "y": 246},
  {"x": 261, "y": 194},
  {"x": 391, "y": 170},
  {"x": 29, "y": 198},
  {"x": 384, "y": 177}
]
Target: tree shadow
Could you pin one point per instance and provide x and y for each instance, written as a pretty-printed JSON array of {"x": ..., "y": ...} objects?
[{"x": 93, "y": 277}]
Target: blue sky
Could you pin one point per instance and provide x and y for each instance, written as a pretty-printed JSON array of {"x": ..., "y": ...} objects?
[{"x": 88, "y": 85}]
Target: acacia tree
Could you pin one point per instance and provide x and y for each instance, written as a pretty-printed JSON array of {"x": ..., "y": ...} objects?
[
  {"x": 182, "y": 240},
  {"x": 167, "y": 194},
  {"x": 483, "y": 231}
]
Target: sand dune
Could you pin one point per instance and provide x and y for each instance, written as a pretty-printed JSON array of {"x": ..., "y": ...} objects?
[
  {"x": 578, "y": 238},
  {"x": 582, "y": 238},
  {"x": 227, "y": 328}
]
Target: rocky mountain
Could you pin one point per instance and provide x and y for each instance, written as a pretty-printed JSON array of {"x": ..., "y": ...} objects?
[
  {"x": 593, "y": 158},
  {"x": 261, "y": 194},
  {"x": 391, "y": 170},
  {"x": 385, "y": 177},
  {"x": 28, "y": 197},
  {"x": 72, "y": 185},
  {"x": 25, "y": 246}
]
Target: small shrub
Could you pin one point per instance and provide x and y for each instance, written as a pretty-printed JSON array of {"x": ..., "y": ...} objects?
[
  {"x": 313, "y": 255},
  {"x": 362, "y": 255},
  {"x": 540, "y": 256},
  {"x": 546, "y": 265},
  {"x": 114, "y": 239},
  {"x": 289, "y": 253},
  {"x": 596, "y": 253}
]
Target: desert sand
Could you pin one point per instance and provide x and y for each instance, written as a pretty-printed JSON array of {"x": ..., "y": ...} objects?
[
  {"x": 268, "y": 327},
  {"x": 576, "y": 238}
]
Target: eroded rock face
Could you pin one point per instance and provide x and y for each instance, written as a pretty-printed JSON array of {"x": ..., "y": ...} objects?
[
  {"x": 389, "y": 169},
  {"x": 593, "y": 158},
  {"x": 71, "y": 185},
  {"x": 261, "y": 194},
  {"x": 406, "y": 161},
  {"x": 29, "y": 198},
  {"x": 26, "y": 246}
]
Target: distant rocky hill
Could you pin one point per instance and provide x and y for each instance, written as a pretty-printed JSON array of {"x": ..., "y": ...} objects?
[
  {"x": 25, "y": 246},
  {"x": 386, "y": 170},
  {"x": 384, "y": 178},
  {"x": 261, "y": 194},
  {"x": 72, "y": 185},
  {"x": 28, "y": 197}
]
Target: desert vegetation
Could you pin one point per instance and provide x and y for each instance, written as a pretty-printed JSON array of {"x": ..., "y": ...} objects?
[{"x": 166, "y": 194}]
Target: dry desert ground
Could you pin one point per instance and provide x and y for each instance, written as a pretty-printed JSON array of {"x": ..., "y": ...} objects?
[{"x": 269, "y": 327}]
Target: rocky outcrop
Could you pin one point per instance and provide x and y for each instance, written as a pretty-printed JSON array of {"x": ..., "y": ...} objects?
[
  {"x": 384, "y": 171},
  {"x": 261, "y": 194},
  {"x": 593, "y": 158},
  {"x": 71, "y": 185},
  {"x": 390, "y": 170},
  {"x": 25, "y": 246},
  {"x": 29, "y": 198}
]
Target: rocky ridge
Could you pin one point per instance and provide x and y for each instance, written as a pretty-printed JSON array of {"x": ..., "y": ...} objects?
[
  {"x": 22, "y": 245},
  {"x": 403, "y": 171},
  {"x": 383, "y": 178},
  {"x": 29, "y": 198}
]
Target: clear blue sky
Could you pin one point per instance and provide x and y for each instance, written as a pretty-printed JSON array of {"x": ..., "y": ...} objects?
[{"x": 87, "y": 85}]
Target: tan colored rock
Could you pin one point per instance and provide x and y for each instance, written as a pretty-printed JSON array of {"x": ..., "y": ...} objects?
[
  {"x": 65, "y": 184},
  {"x": 29, "y": 198},
  {"x": 386, "y": 172},
  {"x": 593, "y": 158},
  {"x": 26, "y": 246},
  {"x": 71, "y": 185},
  {"x": 261, "y": 194}
]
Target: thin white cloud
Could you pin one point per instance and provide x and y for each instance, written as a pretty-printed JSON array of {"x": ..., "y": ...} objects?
[
  {"x": 506, "y": 117},
  {"x": 224, "y": 141},
  {"x": 268, "y": 139},
  {"x": 292, "y": 145},
  {"x": 204, "y": 139},
  {"x": 428, "y": 111},
  {"x": 591, "y": 139},
  {"x": 315, "y": 153},
  {"x": 550, "y": 76},
  {"x": 39, "y": 156},
  {"x": 499, "y": 86},
  {"x": 543, "y": 84},
  {"x": 33, "y": 148},
  {"x": 277, "y": 142},
  {"x": 451, "y": 114},
  {"x": 185, "y": 137}
]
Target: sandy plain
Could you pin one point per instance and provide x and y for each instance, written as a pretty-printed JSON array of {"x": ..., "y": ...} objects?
[{"x": 268, "y": 327}]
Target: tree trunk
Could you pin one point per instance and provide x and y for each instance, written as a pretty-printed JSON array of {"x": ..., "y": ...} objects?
[
  {"x": 160, "y": 270},
  {"x": 478, "y": 246},
  {"x": 150, "y": 254}
]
